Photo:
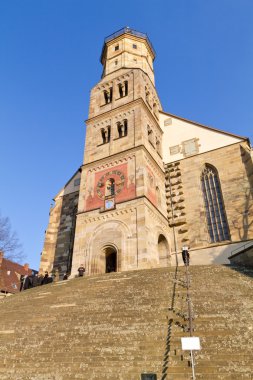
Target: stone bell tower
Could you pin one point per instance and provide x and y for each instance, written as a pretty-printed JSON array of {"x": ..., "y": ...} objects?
[{"x": 121, "y": 221}]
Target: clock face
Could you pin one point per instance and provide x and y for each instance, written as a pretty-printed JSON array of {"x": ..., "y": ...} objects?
[
  {"x": 109, "y": 203},
  {"x": 111, "y": 183}
]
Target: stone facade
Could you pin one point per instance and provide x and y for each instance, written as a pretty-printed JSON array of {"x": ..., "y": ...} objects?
[
  {"x": 150, "y": 181},
  {"x": 236, "y": 187},
  {"x": 123, "y": 151},
  {"x": 59, "y": 236}
]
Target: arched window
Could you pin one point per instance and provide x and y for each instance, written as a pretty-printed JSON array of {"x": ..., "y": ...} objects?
[
  {"x": 155, "y": 110},
  {"x": 147, "y": 94},
  {"x": 122, "y": 128},
  {"x": 108, "y": 95},
  {"x": 215, "y": 211},
  {"x": 123, "y": 89},
  {"x": 158, "y": 196},
  {"x": 158, "y": 146},
  {"x": 106, "y": 134},
  {"x": 150, "y": 135}
]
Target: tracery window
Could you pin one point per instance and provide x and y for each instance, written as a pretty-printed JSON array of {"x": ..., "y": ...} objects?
[{"x": 215, "y": 211}]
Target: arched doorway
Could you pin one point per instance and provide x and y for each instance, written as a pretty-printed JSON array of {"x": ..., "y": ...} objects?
[
  {"x": 163, "y": 250},
  {"x": 110, "y": 260}
]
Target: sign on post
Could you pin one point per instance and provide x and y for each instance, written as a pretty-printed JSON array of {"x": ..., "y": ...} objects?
[{"x": 190, "y": 343}]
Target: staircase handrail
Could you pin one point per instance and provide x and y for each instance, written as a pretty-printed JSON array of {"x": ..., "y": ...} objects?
[{"x": 242, "y": 247}]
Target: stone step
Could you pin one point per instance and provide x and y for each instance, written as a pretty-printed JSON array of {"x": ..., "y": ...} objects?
[{"x": 117, "y": 326}]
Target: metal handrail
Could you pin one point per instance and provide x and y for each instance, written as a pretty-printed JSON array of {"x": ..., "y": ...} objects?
[
  {"x": 233, "y": 252},
  {"x": 129, "y": 31}
]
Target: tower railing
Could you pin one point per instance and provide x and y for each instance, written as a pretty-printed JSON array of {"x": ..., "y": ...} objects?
[{"x": 129, "y": 31}]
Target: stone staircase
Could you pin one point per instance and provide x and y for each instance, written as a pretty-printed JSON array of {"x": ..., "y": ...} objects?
[{"x": 118, "y": 326}]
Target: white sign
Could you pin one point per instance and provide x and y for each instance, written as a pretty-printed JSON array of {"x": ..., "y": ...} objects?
[{"x": 191, "y": 343}]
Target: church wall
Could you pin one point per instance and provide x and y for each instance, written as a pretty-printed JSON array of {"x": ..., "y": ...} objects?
[
  {"x": 133, "y": 229},
  {"x": 66, "y": 233},
  {"x": 48, "y": 252},
  {"x": 139, "y": 86},
  {"x": 59, "y": 236},
  {"x": 126, "y": 196},
  {"x": 127, "y": 56},
  {"x": 98, "y": 104},
  {"x": 235, "y": 189},
  {"x": 178, "y": 133}
]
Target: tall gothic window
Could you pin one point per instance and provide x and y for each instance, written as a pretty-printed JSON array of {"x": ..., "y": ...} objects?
[{"x": 215, "y": 211}]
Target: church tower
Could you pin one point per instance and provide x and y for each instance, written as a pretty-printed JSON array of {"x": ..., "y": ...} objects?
[{"x": 122, "y": 214}]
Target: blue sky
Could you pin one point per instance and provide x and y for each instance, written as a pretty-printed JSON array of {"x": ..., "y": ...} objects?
[{"x": 50, "y": 53}]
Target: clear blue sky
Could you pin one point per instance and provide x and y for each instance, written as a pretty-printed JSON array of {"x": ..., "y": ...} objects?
[{"x": 49, "y": 61}]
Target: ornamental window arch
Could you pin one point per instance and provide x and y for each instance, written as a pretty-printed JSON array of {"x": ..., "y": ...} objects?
[{"x": 216, "y": 218}]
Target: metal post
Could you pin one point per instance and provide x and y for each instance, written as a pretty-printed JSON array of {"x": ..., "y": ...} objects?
[{"x": 192, "y": 361}]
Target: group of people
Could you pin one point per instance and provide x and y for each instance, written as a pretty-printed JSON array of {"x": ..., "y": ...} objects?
[
  {"x": 33, "y": 280},
  {"x": 36, "y": 279}
]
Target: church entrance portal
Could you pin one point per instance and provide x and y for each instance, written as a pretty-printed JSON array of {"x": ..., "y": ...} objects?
[{"x": 110, "y": 260}]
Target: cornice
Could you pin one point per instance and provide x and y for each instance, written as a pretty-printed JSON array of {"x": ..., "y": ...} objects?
[{"x": 121, "y": 108}]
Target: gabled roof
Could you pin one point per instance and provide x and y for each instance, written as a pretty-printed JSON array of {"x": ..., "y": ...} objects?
[
  {"x": 10, "y": 273},
  {"x": 205, "y": 126}
]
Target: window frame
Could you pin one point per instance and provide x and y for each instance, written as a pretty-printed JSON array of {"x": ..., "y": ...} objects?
[{"x": 215, "y": 212}]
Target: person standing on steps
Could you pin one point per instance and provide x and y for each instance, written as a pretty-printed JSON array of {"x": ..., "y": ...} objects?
[
  {"x": 81, "y": 271},
  {"x": 186, "y": 255},
  {"x": 22, "y": 281},
  {"x": 46, "y": 279}
]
